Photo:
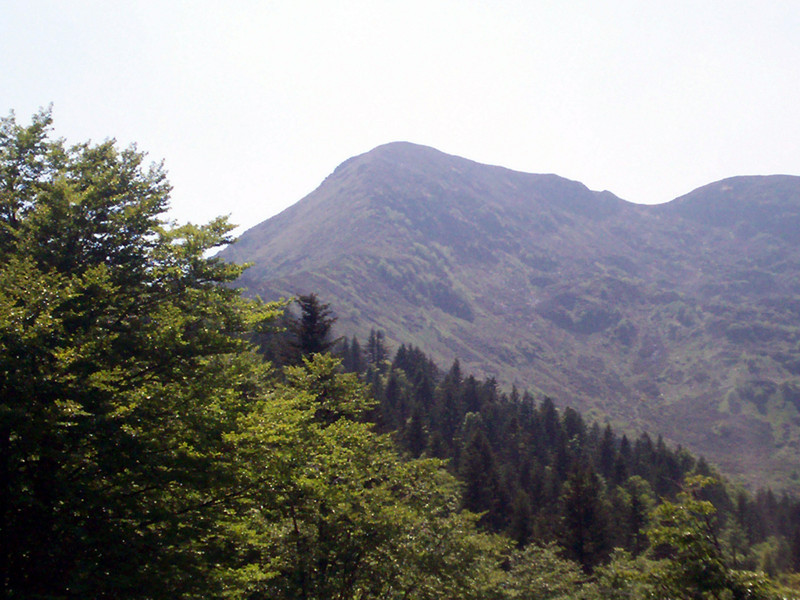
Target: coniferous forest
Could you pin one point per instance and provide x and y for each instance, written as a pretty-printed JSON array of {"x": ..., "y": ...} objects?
[{"x": 162, "y": 436}]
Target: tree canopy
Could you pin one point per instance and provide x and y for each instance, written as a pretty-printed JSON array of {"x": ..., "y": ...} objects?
[
  {"x": 148, "y": 451},
  {"x": 122, "y": 367}
]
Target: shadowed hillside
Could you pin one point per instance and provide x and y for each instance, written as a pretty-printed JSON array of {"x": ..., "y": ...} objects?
[{"x": 680, "y": 318}]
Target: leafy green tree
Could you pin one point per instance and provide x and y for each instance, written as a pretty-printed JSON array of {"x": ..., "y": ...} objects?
[
  {"x": 339, "y": 514},
  {"x": 149, "y": 452},
  {"x": 540, "y": 573},
  {"x": 690, "y": 560},
  {"x": 122, "y": 366},
  {"x": 624, "y": 578}
]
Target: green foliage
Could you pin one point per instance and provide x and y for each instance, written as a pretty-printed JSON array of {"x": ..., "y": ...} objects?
[
  {"x": 148, "y": 452},
  {"x": 624, "y": 577},
  {"x": 690, "y": 561},
  {"x": 685, "y": 532},
  {"x": 312, "y": 330},
  {"x": 340, "y": 515},
  {"x": 585, "y": 519},
  {"x": 539, "y": 475},
  {"x": 539, "y": 573},
  {"x": 121, "y": 368}
]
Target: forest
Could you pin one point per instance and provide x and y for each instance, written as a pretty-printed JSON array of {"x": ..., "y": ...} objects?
[{"x": 163, "y": 436}]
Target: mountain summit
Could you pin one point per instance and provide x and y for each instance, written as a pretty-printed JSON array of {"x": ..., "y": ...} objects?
[{"x": 680, "y": 319}]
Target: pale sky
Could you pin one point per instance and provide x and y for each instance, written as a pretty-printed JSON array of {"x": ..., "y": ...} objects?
[{"x": 251, "y": 104}]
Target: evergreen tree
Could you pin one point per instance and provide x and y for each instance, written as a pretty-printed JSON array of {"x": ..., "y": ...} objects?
[
  {"x": 377, "y": 354},
  {"x": 415, "y": 436},
  {"x": 584, "y": 518},
  {"x": 607, "y": 453},
  {"x": 312, "y": 329},
  {"x": 521, "y": 523},
  {"x": 483, "y": 489},
  {"x": 352, "y": 356}
]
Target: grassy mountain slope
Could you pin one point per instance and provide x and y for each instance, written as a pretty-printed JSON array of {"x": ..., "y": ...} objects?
[{"x": 679, "y": 318}]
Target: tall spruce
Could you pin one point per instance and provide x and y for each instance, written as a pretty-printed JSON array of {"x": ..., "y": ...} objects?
[{"x": 312, "y": 328}]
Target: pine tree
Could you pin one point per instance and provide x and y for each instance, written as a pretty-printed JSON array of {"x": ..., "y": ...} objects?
[
  {"x": 312, "y": 329},
  {"x": 483, "y": 489},
  {"x": 584, "y": 518},
  {"x": 521, "y": 523},
  {"x": 607, "y": 453},
  {"x": 377, "y": 354},
  {"x": 352, "y": 356},
  {"x": 414, "y": 434}
]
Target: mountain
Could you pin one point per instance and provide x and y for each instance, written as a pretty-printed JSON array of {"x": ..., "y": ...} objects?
[{"x": 680, "y": 319}]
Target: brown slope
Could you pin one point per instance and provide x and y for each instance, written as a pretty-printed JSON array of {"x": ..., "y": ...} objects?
[{"x": 677, "y": 319}]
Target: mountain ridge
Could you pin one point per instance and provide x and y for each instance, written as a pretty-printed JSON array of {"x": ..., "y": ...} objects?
[{"x": 677, "y": 318}]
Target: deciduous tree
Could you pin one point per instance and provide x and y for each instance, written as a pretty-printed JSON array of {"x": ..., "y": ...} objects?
[{"x": 122, "y": 366}]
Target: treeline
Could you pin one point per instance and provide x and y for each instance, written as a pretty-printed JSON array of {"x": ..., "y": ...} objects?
[{"x": 542, "y": 475}]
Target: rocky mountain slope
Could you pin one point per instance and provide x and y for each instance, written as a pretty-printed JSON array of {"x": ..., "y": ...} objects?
[{"x": 680, "y": 318}]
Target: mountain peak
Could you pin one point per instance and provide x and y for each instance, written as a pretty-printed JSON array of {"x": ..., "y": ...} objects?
[
  {"x": 680, "y": 318},
  {"x": 746, "y": 205},
  {"x": 402, "y": 157}
]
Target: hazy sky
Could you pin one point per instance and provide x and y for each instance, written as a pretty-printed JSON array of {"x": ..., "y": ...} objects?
[{"x": 251, "y": 104}]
